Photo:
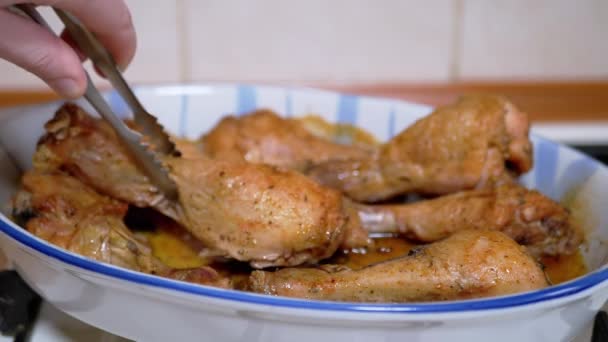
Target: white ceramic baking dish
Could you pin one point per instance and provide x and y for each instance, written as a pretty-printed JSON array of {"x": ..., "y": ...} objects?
[{"x": 148, "y": 308}]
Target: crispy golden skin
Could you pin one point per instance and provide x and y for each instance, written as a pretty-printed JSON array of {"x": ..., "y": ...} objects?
[
  {"x": 67, "y": 213},
  {"x": 477, "y": 142},
  {"x": 62, "y": 210},
  {"x": 469, "y": 264},
  {"x": 262, "y": 137},
  {"x": 87, "y": 148},
  {"x": 527, "y": 216},
  {"x": 258, "y": 213},
  {"x": 255, "y": 213}
]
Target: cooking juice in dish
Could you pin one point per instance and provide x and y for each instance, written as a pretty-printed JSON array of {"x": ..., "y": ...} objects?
[
  {"x": 175, "y": 248},
  {"x": 558, "y": 269}
]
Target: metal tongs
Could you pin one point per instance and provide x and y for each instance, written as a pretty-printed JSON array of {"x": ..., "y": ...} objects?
[{"x": 145, "y": 150}]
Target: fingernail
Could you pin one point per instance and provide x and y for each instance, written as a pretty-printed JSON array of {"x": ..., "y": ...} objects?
[
  {"x": 122, "y": 67},
  {"x": 66, "y": 87}
]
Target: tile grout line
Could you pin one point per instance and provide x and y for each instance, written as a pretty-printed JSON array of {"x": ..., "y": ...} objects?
[
  {"x": 183, "y": 49},
  {"x": 457, "y": 40}
]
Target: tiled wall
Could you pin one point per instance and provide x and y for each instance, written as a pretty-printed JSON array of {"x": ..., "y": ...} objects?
[{"x": 362, "y": 41}]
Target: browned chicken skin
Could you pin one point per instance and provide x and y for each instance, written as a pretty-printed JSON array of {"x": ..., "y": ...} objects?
[
  {"x": 87, "y": 148},
  {"x": 254, "y": 213},
  {"x": 477, "y": 142},
  {"x": 469, "y": 264},
  {"x": 527, "y": 216},
  {"x": 64, "y": 211},
  {"x": 67, "y": 213},
  {"x": 258, "y": 213},
  {"x": 263, "y": 137}
]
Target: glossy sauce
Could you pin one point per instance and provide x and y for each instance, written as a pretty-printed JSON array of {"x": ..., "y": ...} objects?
[
  {"x": 383, "y": 249},
  {"x": 172, "y": 251},
  {"x": 169, "y": 246},
  {"x": 563, "y": 268}
]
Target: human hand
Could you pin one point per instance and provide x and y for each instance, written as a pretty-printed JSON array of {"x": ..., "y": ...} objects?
[{"x": 52, "y": 58}]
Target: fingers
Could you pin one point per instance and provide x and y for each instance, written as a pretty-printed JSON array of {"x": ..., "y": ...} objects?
[
  {"x": 33, "y": 48},
  {"x": 26, "y": 44},
  {"x": 110, "y": 20}
]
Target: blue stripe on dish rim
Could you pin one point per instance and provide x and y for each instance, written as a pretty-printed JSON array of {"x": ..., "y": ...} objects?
[
  {"x": 288, "y": 104},
  {"x": 391, "y": 123},
  {"x": 347, "y": 109},
  {"x": 246, "y": 99},
  {"x": 554, "y": 292},
  {"x": 546, "y": 155}
]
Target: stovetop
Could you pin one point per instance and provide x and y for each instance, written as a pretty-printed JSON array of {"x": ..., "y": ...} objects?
[{"x": 599, "y": 151}]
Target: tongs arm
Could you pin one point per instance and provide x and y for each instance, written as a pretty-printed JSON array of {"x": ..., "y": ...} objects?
[{"x": 104, "y": 61}]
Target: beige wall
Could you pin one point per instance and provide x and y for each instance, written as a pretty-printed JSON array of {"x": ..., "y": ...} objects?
[{"x": 363, "y": 41}]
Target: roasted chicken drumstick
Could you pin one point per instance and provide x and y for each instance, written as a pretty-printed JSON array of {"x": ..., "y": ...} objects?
[
  {"x": 253, "y": 213},
  {"x": 478, "y": 142},
  {"x": 469, "y": 264},
  {"x": 527, "y": 216}
]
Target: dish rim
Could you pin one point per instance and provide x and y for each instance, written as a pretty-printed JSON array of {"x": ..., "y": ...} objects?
[{"x": 575, "y": 286}]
